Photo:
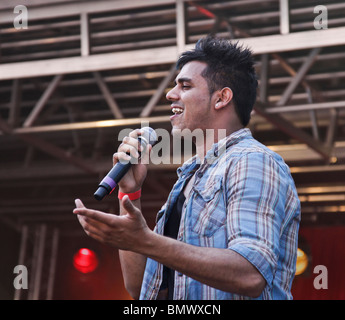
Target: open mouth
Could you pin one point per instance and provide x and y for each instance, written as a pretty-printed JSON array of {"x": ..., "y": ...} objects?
[{"x": 176, "y": 110}]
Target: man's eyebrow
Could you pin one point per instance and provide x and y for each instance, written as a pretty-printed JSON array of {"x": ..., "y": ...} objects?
[{"x": 181, "y": 80}]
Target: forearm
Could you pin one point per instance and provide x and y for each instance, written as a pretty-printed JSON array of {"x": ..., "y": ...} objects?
[
  {"x": 220, "y": 268},
  {"x": 133, "y": 267},
  {"x": 223, "y": 269}
]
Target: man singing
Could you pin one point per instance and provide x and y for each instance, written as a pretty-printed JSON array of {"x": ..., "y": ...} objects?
[{"x": 229, "y": 227}]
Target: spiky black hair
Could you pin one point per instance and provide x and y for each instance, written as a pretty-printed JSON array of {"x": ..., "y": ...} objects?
[{"x": 228, "y": 65}]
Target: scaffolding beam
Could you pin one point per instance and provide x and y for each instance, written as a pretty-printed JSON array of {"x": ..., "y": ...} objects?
[{"x": 166, "y": 55}]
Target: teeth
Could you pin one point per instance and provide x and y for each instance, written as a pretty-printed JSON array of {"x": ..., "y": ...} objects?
[{"x": 177, "y": 110}]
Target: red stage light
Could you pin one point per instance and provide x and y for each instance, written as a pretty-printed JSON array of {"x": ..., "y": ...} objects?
[{"x": 85, "y": 260}]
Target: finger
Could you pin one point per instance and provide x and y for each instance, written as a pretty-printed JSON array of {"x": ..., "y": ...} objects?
[
  {"x": 91, "y": 227},
  {"x": 95, "y": 215},
  {"x": 130, "y": 148},
  {"x": 134, "y": 141},
  {"x": 121, "y": 157},
  {"x": 135, "y": 133},
  {"x": 79, "y": 203},
  {"x": 88, "y": 222}
]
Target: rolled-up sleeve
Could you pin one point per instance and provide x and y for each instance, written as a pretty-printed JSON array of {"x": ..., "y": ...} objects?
[{"x": 256, "y": 211}]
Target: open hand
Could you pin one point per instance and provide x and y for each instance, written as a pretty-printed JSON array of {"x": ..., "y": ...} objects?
[{"x": 125, "y": 232}]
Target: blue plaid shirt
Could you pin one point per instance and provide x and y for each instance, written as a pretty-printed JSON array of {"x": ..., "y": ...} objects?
[{"x": 243, "y": 199}]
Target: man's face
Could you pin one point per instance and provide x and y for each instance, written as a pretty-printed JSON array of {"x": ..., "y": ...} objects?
[{"x": 190, "y": 99}]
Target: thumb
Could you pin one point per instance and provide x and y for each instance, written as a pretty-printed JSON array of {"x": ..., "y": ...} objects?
[{"x": 129, "y": 207}]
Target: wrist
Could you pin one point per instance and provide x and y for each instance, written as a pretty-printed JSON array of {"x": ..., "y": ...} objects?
[
  {"x": 132, "y": 195},
  {"x": 129, "y": 189}
]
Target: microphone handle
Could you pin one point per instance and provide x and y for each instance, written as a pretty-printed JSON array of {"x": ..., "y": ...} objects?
[{"x": 110, "y": 181}]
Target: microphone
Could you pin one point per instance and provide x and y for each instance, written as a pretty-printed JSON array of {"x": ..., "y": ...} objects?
[{"x": 110, "y": 181}]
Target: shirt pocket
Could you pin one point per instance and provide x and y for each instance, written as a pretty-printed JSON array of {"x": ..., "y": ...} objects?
[{"x": 208, "y": 208}]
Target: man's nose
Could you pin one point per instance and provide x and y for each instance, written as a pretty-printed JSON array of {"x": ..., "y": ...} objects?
[{"x": 172, "y": 94}]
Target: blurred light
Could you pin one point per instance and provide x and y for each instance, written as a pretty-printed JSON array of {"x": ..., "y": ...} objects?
[
  {"x": 302, "y": 262},
  {"x": 333, "y": 160},
  {"x": 85, "y": 260}
]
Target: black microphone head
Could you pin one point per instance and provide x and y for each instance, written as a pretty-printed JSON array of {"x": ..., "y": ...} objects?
[
  {"x": 149, "y": 136},
  {"x": 100, "y": 193}
]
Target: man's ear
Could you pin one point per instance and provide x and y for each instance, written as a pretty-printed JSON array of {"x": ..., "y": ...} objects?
[{"x": 224, "y": 97}]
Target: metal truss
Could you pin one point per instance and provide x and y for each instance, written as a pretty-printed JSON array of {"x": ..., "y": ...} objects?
[
  {"x": 38, "y": 253},
  {"x": 84, "y": 70}
]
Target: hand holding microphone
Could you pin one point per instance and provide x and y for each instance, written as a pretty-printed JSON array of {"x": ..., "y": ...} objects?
[{"x": 131, "y": 177}]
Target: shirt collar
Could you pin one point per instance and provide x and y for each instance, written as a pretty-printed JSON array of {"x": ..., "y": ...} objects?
[
  {"x": 225, "y": 143},
  {"x": 217, "y": 150}
]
